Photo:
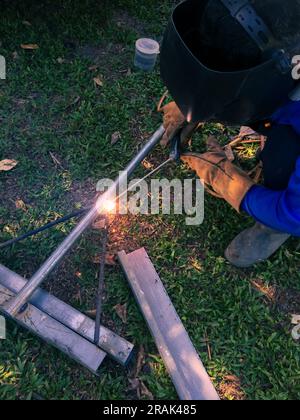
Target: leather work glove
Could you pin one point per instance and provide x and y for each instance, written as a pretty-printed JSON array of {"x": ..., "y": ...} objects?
[
  {"x": 174, "y": 121},
  {"x": 218, "y": 172}
]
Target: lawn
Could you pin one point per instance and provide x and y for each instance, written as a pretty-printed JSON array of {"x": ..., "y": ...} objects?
[{"x": 58, "y": 124}]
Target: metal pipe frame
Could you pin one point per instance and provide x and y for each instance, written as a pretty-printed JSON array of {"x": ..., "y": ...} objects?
[
  {"x": 16, "y": 304},
  {"x": 115, "y": 346}
]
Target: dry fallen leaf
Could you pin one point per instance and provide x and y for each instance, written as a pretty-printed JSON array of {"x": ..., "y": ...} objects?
[
  {"x": 15, "y": 55},
  {"x": 231, "y": 388},
  {"x": 98, "y": 81},
  {"x": 110, "y": 259},
  {"x": 295, "y": 319},
  {"x": 268, "y": 291},
  {"x": 115, "y": 137},
  {"x": 7, "y": 164},
  {"x": 147, "y": 165},
  {"x": 20, "y": 205},
  {"x": 134, "y": 384},
  {"x": 197, "y": 265},
  {"x": 145, "y": 391},
  {"x": 26, "y": 23},
  {"x": 229, "y": 153},
  {"x": 296, "y": 333},
  {"x": 93, "y": 68},
  {"x": 231, "y": 378},
  {"x": 61, "y": 60},
  {"x": 99, "y": 224},
  {"x": 121, "y": 312},
  {"x": 246, "y": 131},
  {"x": 92, "y": 314},
  {"x": 140, "y": 361},
  {"x": 29, "y": 46}
]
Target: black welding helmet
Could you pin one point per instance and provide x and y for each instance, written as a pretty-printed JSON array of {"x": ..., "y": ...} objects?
[{"x": 208, "y": 92}]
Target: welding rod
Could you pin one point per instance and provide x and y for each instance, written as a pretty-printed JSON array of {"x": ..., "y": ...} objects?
[
  {"x": 17, "y": 303},
  {"x": 100, "y": 285},
  {"x": 43, "y": 228}
]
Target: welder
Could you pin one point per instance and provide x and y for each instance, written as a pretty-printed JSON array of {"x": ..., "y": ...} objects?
[{"x": 234, "y": 62}]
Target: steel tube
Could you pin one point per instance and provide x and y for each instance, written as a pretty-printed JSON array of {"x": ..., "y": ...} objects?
[
  {"x": 115, "y": 346},
  {"x": 16, "y": 303}
]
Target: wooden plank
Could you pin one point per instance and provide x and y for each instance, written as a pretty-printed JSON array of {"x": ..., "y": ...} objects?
[
  {"x": 56, "y": 334},
  {"x": 180, "y": 357},
  {"x": 117, "y": 347}
]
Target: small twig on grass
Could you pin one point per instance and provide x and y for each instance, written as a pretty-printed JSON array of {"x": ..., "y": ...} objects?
[
  {"x": 55, "y": 160},
  {"x": 209, "y": 353}
]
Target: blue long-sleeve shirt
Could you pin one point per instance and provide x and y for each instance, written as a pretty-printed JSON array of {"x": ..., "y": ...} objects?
[{"x": 279, "y": 210}]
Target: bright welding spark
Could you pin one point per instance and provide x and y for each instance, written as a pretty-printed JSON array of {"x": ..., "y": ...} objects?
[
  {"x": 109, "y": 206},
  {"x": 106, "y": 206},
  {"x": 189, "y": 116}
]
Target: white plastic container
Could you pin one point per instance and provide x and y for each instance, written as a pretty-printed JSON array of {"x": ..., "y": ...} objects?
[{"x": 146, "y": 53}]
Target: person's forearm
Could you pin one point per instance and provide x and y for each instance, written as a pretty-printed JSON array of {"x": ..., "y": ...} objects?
[{"x": 279, "y": 210}]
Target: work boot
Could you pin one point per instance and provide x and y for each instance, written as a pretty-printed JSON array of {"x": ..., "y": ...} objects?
[{"x": 254, "y": 245}]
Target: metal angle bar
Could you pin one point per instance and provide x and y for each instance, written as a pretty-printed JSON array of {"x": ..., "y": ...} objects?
[
  {"x": 56, "y": 334},
  {"x": 19, "y": 300},
  {"x": 115, "y": 346},
  {"x": 176, "y": 349}
]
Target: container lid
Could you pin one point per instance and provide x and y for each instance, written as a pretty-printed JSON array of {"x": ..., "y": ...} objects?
[{"x": 147, "y": 46}]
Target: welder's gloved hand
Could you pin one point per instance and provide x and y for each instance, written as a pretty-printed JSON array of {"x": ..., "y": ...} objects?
[
  {"x": 174, "y": 121},
  {"x": 219, "y": 173}
]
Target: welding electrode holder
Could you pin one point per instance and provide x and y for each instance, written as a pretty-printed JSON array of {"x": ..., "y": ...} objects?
[{"x": 176, "y": 150}]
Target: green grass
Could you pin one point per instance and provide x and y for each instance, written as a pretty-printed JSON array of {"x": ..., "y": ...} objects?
[{"x": 50, "y": 106}]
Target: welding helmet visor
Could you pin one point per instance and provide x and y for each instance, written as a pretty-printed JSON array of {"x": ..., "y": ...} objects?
[{"x": 204, "y": 93}]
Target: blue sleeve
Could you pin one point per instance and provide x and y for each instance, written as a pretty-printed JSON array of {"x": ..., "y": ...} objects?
[{"x": 279, "y": 210}]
